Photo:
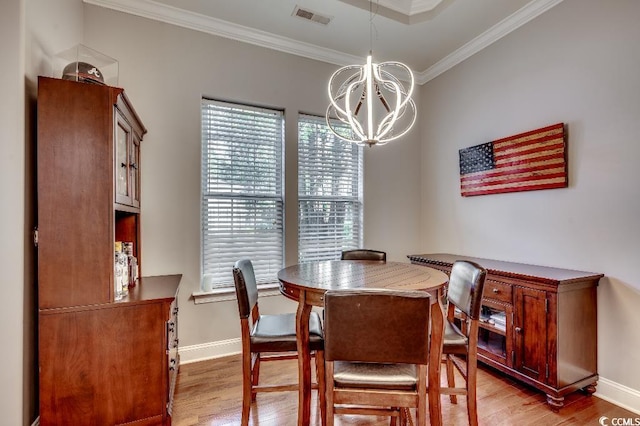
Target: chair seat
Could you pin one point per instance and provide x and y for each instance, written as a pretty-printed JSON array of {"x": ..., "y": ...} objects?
[
  {"x": 454, "y": 340},
  {"x": 275, "y": 333},
  {"x": 375, "y": 376}
]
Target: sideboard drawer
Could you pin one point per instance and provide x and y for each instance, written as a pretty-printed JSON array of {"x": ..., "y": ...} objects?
[
  {"x": 173, "y": 357},
  {"x": 172, "y": 327},
  {"x": 497, "y": 290}
]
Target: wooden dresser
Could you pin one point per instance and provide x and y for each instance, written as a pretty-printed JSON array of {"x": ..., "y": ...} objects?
[
  {"x": 538, "y": 325},
  {"x": 101, "y": 361}
]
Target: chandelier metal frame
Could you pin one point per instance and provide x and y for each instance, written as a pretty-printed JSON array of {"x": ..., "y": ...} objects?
[
  {"x": 355, "y": 87},
  {"x": 365, "y": 83}
]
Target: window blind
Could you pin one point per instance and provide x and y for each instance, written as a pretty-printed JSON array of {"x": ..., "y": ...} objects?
[
  {"x": 242, "y": 191},
  {"x": 330, "y": 174}
]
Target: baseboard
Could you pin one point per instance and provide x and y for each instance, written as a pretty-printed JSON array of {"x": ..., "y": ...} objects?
[
  {"x": 618, "y": 394},
  {"x": 205, "y": 351}
]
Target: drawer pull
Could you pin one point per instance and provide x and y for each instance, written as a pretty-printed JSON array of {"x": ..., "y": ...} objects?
[
  {"x": 495, "y": 291},
  {"x": 518, "y": 329}
]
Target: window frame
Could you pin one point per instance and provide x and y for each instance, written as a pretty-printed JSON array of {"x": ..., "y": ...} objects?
[
  {"x": 211, "y": 283},
  {"x": 355, "y": 200}
]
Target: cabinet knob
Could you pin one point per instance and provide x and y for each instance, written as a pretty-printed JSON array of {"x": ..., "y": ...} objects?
[
  {"x": 123, "y": 165},
  {"x": 134, "y": 166},
  {"x": 495, "y": 291},
  {"x": 518, "y": 329}
]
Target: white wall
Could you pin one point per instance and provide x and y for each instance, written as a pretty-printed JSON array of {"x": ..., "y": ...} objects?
[
  {"x": 28, "y": 30},
  {"x": 577, "y": 63},
  {"x": 50, "y": 27},
  {"x": 165, "y": 71},
  {"x": 12, "y": 211}
]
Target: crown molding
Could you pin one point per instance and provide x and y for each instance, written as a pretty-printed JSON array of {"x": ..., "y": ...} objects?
[
  {"x": 198, "y": 22},
  {"x": 493, "y": 34}
]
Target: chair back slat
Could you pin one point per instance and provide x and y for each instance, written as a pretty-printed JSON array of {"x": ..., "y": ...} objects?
[
  {"x": 466, "y": 285},
  {"x": 246, "y": 287},
  {"x": 376, "y": 325},
  {"x": 364, "y": 254}
]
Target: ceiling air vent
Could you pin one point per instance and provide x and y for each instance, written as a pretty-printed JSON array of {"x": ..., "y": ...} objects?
[{"x": 310, "y": 15}]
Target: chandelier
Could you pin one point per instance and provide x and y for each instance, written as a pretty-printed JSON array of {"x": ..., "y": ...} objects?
[
  {"x": 372, "y": 100},
  {"x": 389, "y": 111}
]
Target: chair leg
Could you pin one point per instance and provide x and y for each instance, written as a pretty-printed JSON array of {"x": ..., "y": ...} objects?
[
  {"x": 400, "y": 417},
  {"x": 394, "y": 421},
  {"x": 255, "y": 376},
  {"x": 246, "y": 386},
  {"x": 322, "y": 389},
  {"x": 405, "y": 417},
  {"x": 472, "y": 406},
  {"x": 328, "y": 383},
  {"x": 451, "y": 381}
]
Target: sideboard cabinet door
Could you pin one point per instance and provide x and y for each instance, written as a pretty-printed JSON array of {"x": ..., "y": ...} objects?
[{"x": 530, "y": 333}]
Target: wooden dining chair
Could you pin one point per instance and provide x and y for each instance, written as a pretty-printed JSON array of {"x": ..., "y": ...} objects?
[
  {"x": 464, "y": 298},
  {"x": 270, "y": 338},
  {"x": 376, "y": 353},
  {"x": 364, "y": 254}
]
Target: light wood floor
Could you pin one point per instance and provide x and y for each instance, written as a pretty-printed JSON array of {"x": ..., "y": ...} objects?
[{"x": 210, "y": 393}]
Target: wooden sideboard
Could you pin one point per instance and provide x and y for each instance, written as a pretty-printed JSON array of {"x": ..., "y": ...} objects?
[
  {"x": 102, "y": 360},
  {"x": 112, "y": 363},
  {"x": 538, "y": 325}
]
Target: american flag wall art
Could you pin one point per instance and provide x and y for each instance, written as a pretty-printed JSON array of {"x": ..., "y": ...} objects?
[{"x": 523, "y": 162}]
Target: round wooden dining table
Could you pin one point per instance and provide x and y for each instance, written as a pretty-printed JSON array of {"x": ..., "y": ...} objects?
[{"x": 306, "y": 283}]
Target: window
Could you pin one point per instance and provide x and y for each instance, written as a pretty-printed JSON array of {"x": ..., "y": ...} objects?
[
  {"x": 329, "y": 192},
  {"x": 242, "y": 191}
]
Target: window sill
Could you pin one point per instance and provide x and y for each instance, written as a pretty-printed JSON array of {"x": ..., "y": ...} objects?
[{"x": 229, "y": 293}]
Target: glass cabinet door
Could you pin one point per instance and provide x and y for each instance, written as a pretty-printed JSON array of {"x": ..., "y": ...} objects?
[
  {"x": 494, "y": 334},
  {"x": 134, "y": 175},
  {"x": 123, "y": 160}
]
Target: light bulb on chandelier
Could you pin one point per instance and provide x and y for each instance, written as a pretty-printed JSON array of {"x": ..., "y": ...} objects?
[{"x": 372, "y": 101}]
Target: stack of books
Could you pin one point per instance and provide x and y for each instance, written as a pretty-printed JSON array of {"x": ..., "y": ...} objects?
[{"x": 499, "y": 320}]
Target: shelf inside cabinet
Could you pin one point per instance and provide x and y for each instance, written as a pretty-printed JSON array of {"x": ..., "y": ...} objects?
[
  {"x": 486, "y": 322},
  {"x": 492, "y": 342},
  {"x": 492, "y": 328},
  {"x": 127, "y": 228}
]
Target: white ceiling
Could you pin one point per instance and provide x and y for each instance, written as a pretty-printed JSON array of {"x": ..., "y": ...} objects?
[{"x": 430, "y": 36}]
